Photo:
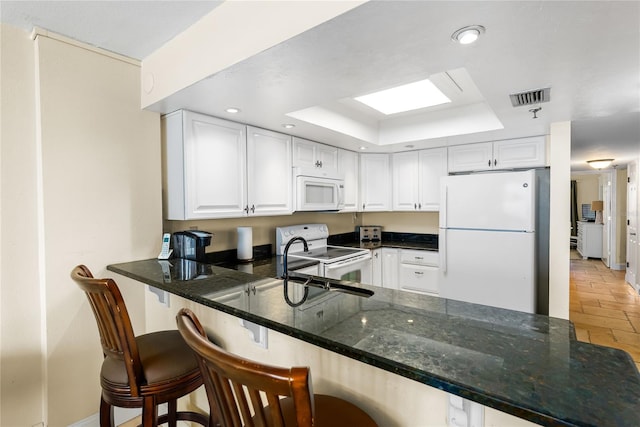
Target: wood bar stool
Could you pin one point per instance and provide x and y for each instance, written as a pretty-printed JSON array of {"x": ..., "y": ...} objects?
[
  {"x": 138, "y": 372},
  {"x": 237, "y": 389}
]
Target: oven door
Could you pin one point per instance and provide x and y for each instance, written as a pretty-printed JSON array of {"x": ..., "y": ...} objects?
[{"x": 356, "y": 269}]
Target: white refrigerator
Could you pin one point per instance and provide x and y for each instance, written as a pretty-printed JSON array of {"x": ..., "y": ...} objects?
[{"x": 487, "y": 239}]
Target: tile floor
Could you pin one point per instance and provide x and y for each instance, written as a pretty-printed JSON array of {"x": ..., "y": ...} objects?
[{"x": 603, "y": 307}]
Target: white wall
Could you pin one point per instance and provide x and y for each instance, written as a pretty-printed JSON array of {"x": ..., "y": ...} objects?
[
  {"x": 21, "y": 352},
  {"x": 80, "y": 184}
]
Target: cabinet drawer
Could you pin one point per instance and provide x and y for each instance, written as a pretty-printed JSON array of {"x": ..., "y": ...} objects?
[
  {"x": 409, "y": 256},
  {"x": 418, "y": 278}
]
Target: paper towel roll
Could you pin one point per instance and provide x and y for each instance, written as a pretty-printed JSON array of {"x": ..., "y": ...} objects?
[{"x": 245, "y": 243}]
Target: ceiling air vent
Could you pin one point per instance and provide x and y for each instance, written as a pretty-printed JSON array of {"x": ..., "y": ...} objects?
[{"x": 530, "y": 97}]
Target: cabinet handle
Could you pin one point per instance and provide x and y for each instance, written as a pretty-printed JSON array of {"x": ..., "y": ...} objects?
[
  {"x": 418, "y": 257},
  {"x": 419, "y": 206},
  {"x": 415, "y": 207},
  {"x": 495, "y": 162},
  {"x": 320, "y": 163},
  {"x": 376, "y": 255},
  {"x": 363, "y": 206},
  {"x": 246, "y": 209},
  {"x": 253, "y": 208},
  {"x": 489, "y": 163},
  {"x": 419, "y": 272}
]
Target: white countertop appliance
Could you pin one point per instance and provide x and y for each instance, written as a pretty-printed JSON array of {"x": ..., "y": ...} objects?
[
  {"x": 318, "y": 190},
  {"x": 334, "y": 262},
  {"x": 487, "y": 239}
]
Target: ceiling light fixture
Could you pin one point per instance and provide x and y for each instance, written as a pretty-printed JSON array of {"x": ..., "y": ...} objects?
[
  {"x": 363, "y": 147},
  {"x": 468, "y": 35},
  {"x": 600, "y": 163},
  {"x": 288, "y": 125},
  {"x": 232, "y": 110},
  {"x": 408, "y": 97}
]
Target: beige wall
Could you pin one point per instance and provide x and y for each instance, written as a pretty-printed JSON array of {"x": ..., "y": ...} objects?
[
  {"x": 588, "y": 189},
  {"x": 21, "y": 348},
  {"x": 225, "y": 235},
  {"x": 80, "y": 184}
]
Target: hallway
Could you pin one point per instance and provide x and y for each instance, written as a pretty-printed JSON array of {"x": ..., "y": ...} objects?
[{"x": 603, "y": 307}]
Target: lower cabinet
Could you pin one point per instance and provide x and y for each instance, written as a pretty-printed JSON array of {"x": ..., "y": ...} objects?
[
  {"x": 406, "y": 269},
  {"x": 589, "y": 243}
]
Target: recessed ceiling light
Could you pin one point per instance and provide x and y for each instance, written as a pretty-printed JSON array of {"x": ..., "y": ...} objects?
[
  {"x": 468, "y": 35},
  {"x": 600, "y": 163},
  {"x": 232, "y": 110},
  {"x": 363, "y": 147},
  {"x": 288, "y": 125},
  {"x": 407, "y": 97}
]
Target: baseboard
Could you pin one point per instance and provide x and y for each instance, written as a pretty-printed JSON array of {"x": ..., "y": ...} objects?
[
  {"x": 120, "y": 416},
  {"x": 618, "y": 266}
]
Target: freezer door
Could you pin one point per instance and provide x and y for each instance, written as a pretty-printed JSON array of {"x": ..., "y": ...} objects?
[
  {"x": 489, "y": 201},
  {"x": 488, "y": 267}
]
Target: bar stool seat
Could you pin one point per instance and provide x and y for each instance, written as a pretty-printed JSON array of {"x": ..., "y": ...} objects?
[
  {"x": 250, "y": 394},
  {"x": 143, "y": 371}
]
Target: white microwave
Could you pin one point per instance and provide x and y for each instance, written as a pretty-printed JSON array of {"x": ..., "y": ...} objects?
[{"x": 317, "y": 190}]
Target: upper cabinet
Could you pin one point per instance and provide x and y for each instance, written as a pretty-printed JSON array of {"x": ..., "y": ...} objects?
[
  {"x": 213, "y": 169},
  {"x": 269, "y": 189},
  {"x": 311, "y": 154},
  {"x": 375, "y": 187},
  {"x": 348, "y": 166},
  {"x": 416, "y": 179},
  {"x": 506, "y": 154}
]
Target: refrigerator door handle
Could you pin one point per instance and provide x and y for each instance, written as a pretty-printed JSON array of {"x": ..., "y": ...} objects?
[{"x": 442, "y": 248}]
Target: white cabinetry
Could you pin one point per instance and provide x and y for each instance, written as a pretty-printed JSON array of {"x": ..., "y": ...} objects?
[
  {"x": 416, "y": 179},
  {"x": 349, "y": 167},
  {"x": 418, "y": 271},
  {"x": 589, "y": 243},
  {"x": 506, "y": 154},
  {"x": 213, "y": 170},
  {"x": 309, "y": 154},
  {"x": 376, "y": 267},
  {"x": 375, "y": 187},
  {"x": 269, "y": 181},
  {"x": 390, "y": 268}
]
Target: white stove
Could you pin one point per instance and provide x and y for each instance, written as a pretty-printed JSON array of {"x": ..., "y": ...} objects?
[{"x": 335, "y": 262}]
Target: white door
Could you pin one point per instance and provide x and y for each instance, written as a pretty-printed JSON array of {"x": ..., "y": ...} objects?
[
  {"x": 375, "y": 187},
  {"x": 406, "y": 181},
  {"x": 348, "y": 165},
  {"x": 433, "y": 166},
  {"x": 492, "y": 201},
  {"x": 269, "y": 188},
  {"x": 488, "y": 267},
  {"x": 632, "y": 227},
  {"x": 215, "y": 167},
  {"x": 605, "y": 182},
  {"x": 470, "y": 157}
]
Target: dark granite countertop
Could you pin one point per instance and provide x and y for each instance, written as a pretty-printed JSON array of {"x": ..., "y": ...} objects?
[{"x": 527, "y": 365}]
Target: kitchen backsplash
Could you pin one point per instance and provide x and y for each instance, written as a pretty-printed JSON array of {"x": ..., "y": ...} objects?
[{"x": 225, "y": 234}]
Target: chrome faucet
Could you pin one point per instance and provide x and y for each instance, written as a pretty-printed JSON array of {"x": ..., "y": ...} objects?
[{"x": 286, "y": 272}]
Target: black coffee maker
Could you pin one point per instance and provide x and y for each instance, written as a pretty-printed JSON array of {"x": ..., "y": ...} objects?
[{"x": 190, "y": 244}]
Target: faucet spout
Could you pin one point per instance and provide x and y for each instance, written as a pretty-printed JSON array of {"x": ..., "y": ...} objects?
[{"x": 285, "y": 266}]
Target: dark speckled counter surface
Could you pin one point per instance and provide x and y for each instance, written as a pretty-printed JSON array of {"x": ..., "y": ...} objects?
[{"x": 527, "y": 365}]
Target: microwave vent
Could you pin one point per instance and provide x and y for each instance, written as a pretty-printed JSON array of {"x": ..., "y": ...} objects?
[{"x": 531, "y": 97}]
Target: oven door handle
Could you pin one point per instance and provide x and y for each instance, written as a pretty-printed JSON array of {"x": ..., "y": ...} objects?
[{"x": 347, "y": 262}]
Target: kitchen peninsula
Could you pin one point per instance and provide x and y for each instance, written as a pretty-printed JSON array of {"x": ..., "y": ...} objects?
[{"x": 526, "y": 365}]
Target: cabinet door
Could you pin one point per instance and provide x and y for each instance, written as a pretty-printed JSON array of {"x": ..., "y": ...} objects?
[
  {"x": 348, "y": 165},
  {"x": 470, "y": 157},
  {"x": 327, "y": 156},
  {"x": 375, "y": 187},
  {"x": 376, "y": 267},
  {"x": 433, "y": 166},
  {"x": 406, "y": 181},
  {"x": 390, "y": 268},
  {"x": 269, "y": 188},
  {"x": 304, "y": 153},
  {"x": 519, "y": 153},
  {"x": 214, "y": 167}
]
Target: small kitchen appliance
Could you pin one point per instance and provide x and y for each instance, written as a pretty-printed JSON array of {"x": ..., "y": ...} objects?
[{"x": 191, "y": 244}]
